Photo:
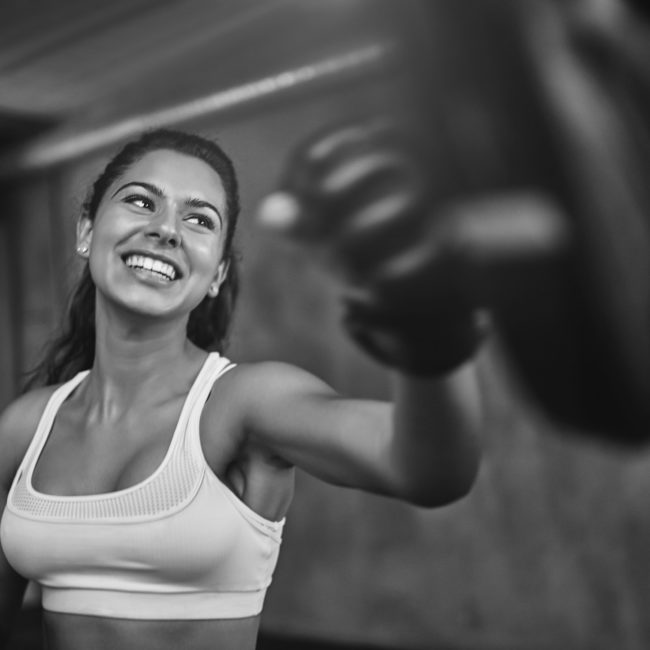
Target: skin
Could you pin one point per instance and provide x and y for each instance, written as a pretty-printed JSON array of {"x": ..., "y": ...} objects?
[{"x": 260, "y": 422}]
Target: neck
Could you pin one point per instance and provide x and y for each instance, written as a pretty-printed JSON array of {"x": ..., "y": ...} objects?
[{"x": 136, "y": 360}]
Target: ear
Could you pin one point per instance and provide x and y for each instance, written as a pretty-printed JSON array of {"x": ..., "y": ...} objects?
[
  {"x": 220, "y": 276},
  {"x": 84, "y": 236}
]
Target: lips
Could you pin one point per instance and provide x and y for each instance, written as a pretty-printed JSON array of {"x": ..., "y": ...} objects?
[{"x": 164, "y": 270}]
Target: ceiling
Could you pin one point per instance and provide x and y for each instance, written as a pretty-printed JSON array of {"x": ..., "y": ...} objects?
[{"x": 89, "y": 62}]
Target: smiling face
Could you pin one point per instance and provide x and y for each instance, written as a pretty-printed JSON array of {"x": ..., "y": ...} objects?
[{"x": 156, "y": 242}]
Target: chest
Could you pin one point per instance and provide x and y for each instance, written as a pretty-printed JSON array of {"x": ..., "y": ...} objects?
[{"x": 82, "y": 458}]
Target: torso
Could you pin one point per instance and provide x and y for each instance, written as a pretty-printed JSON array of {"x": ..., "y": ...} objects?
[
  {"x": 70, "y": 632},
  {"x": 74, "y": 462},
  {"x": 74, "y": 459}
]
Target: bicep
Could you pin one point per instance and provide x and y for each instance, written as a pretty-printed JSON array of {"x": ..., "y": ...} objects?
[{"x": 342, "y": 441}]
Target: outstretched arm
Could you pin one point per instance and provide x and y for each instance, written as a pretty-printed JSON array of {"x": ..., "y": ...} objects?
[
  {"x": 358, "y": 199},
  {"x": 422, "y": 448},
  {"x": 441, "y": 422}
]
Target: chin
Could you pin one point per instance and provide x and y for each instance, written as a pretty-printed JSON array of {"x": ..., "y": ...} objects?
[{"x": 166, "y": 302}]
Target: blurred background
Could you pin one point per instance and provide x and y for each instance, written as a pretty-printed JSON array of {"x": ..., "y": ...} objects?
[{"x": 548, "y": 551}]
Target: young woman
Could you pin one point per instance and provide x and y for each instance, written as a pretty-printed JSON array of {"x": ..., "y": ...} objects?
[{"x": 144, "y": 486}]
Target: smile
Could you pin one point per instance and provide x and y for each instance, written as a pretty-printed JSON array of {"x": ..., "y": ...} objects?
[{"x": 157, "y": 268}]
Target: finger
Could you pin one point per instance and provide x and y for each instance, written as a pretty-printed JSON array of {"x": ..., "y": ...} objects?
[
  {"x": 279, "y": 212},
  {"x": 381, "y": 229},
  {"x": 332, "y": 143},
  {"x": 321, "y": 155},
  {"x": 461, "y": 250},
  {"x": 363, "y": 190}
]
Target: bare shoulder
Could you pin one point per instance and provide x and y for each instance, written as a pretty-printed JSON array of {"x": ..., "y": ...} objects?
[
  {"x": 258, "y": 475},
  {"x": 25, "y": 411},
  {"x": 271, "y": 404},
  {"x": 251, "y": 393},
  {"x": 248, "y": 384},
  {"x": 270, "y": 380},
  {"x": 18, "y": 424}
]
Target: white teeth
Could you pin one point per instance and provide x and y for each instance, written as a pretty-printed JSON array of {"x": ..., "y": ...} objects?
[{"x": 156, "y": 267}]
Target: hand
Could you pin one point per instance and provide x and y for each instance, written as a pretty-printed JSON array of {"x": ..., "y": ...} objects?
[{"x": 359, "y": 197}]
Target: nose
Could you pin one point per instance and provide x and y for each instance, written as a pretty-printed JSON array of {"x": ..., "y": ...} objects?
[{"x": 163, "y": 227}]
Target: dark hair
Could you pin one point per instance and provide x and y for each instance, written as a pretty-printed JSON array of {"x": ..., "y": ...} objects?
[{"x": 74, "y": 349}]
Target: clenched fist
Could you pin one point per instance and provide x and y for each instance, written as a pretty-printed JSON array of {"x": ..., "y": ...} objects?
[{"x": 359, "y": 197}]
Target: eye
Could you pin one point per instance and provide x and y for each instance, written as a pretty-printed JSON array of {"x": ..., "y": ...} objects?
[
  {"x": 139, "y": 201},
  {"x": 202, "y": 220}
]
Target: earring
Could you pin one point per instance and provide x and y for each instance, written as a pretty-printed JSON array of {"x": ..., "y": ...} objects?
[
  {"x": 213, "y": 291},
  {"x": 82, "y": 250}
]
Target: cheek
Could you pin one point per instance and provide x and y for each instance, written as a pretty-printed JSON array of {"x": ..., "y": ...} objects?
[
  {"x": 115, "y": 222},
  {"x": 208, "y": 254},
  {"x": 104, "y": 230},
  {"x": 109, "y": 230}
]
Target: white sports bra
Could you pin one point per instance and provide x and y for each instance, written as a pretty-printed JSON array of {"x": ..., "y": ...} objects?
[{"x": 178, "y": 545}]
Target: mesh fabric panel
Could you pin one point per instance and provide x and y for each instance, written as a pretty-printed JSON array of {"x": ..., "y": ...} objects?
[{"x": 168, "y": 489}]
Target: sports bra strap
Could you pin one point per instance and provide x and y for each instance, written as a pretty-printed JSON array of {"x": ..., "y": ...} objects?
[
  {"x": 216, "y": 367},
  {"x": 44, "y": 425}
]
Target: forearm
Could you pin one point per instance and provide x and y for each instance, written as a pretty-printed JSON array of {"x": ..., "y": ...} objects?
[
  {"x": 420, "y": 447},
  {"x": 436, "y": 442}
]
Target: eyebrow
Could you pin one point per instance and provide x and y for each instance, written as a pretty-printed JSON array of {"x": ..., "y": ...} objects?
[{"x": 156, "y": 191}]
